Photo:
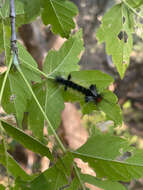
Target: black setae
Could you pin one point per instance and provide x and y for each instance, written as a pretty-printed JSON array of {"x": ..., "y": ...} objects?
[{"x": 90, "y": 93}]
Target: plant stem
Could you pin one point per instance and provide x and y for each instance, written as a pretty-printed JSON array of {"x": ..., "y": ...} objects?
[
  {"x": 1, "y": 128},
  {"x": 13, "y": 31},
  {"x": 41, "y": 109},
  {"x": 78, "y": 176},
  {"x": 133, "y": 10},
  {"x": 36, "y": 69},
  {"x": 5, "y": 79}
]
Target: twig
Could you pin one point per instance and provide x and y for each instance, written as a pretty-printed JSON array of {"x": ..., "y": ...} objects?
[{"x": 13, "y": 30}]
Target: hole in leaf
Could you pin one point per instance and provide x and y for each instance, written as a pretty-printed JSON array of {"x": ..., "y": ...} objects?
[
  {"x": 124, "y": 62},
  {"x": 124, "y": 19},
  {"x": 123, "y": 35},
  {"x": 120, "y": 35},
  {"x": 124, "y": 156},
  {"x": 12, "y": 97}
]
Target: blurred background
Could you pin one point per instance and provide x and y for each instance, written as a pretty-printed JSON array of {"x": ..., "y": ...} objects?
[{"x": 75, "y": 128}]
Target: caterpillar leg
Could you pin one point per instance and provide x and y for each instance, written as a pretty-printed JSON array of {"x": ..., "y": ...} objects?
[
  {"x": 65, "y": 88},
  {"x": 88, "y": 99},
  {"x": 69, "y": 77},
  {"x": 93, "y": 89}
]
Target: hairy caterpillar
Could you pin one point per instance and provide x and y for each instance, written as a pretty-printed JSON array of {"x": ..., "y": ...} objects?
[{"x": 90, "y": 93}]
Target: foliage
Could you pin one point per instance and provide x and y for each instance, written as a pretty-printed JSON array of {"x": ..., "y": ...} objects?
[
  {"x": 117, "y": 30},
  {"x": 24, "y": 90}
]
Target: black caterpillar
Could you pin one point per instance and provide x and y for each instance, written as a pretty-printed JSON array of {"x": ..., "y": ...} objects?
[{"x": 90, "y": 93}]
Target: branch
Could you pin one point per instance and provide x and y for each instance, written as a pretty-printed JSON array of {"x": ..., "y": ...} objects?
[{"x": 13, "y": 33}]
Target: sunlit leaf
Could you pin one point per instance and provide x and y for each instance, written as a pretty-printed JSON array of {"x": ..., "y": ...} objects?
[
  {"x": 116, "y": 31},
  {"x": 65, "y": 60},
  {"x": 60, "y": 15}
]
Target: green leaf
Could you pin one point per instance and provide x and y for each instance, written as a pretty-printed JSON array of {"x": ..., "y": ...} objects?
[
  {"x": 65, "y": 60},
  {"x": 22, "y": 9},
  {"x": 5, "y": 33},
  {"x": 2, "y": 187},
  {"x": 20, "y": 185},
  {"x": 109, "y": 103},
  {"x": 27, "y": 141},
  {"x": 13, "y": 166},
  {"x": 55, "y": 177},
  {"x": 105, "y": 145},
  {"x": 35, "y": 117},
  {"x": 104, "y": 153},
  {"x": 74, "y": 184},
  {"x": 25, "y": 57},
  {"x": 103, "y": 184},
  {"x": 60, "y": 15},
  {"x": 54, "y": 104},
  {"x": 116, "y": 30},
  {"x": 31, "y": 8},
  {"x": 88, "y": 77},
  {"x": 113, "y": 111},
  {"x": 85, "y": 79},
  {"x": 16, "y": 92},
  {"x": 51, "y": 100},
  {"x": 15, "y": 95},
  {"x": 135, "y": 3}
]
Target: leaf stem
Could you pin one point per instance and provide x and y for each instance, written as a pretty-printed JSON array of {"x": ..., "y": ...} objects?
[
  {"x": 5, "y": 79},
  {"x": 1, "y": 128},
  {"x": 41, "y": 109},
  {"x": 133, "y": 10},
  {"x": 36, "y": 69},
  {"x": 78, "y": 176}
]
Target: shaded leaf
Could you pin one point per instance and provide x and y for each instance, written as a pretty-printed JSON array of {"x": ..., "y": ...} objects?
[
  {"x": 54, "y": 104},
  {"x": 27, "y": 141},
  {"x": 103, "y": 184},
  {"x": 103, "y": 154},
  {"x": 35, "y": 117},
  {"x": 16, "y": 92},
  {"x": 23, "y": 13},
  {"x": 31, "y": 8},
  {"x": 55, "y": 177},
  {"x": 15, "y": 95},
  {"x": 74, "y": 184},
  {"x": 60, "y": 15},
  {"x": 25, "y": 57},
  {"x": 13, "y": 166},
  {"x": 2, "y": 187},
  {"x": 113, "y": 111}
]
